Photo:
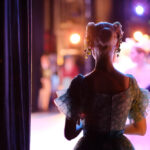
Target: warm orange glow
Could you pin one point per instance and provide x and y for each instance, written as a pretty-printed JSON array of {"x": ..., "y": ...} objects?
[
  {"x": 146, "y": 37},
  {"x": 75, "y": 38},
  {"x": 138, "y": 36}
]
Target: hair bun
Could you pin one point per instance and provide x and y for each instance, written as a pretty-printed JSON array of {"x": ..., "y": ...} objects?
[
  {"x": 117, "y": 24},
  {"x": 90, "y": 29},
  {"x": 118, "y": 28},
  {"x": 91, "y": 25}
]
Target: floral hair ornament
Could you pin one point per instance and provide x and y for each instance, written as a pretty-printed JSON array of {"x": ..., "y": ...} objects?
[
  {"x": 87, "y": 50},
  {"x": 88, "y": 41},
  {"x": 118, "y": 28}
]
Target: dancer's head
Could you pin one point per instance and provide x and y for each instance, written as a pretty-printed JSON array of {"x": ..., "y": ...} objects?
[{"x": 103, "y": 38}]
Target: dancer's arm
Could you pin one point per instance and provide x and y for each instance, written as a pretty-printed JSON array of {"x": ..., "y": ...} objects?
[
  {"x": 70, "y": 129},
  {"x": 138, "y": 128}
]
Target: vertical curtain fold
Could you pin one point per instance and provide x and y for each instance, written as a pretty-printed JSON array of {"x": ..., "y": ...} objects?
[
  {"x": 37, "y": 48},
  {"x": 16, "y": 65}
]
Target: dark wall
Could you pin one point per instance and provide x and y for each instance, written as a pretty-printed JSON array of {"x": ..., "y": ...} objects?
[{"x": 119, "y": 12}]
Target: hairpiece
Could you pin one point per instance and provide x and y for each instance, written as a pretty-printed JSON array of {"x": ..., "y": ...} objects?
[{"x": 118, "y": 28}]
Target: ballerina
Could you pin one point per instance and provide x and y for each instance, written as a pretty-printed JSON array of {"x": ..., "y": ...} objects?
[{"x": 101, "y": 101}]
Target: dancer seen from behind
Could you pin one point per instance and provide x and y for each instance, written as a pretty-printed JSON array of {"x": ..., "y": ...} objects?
[{"x": 100, "y": 102}]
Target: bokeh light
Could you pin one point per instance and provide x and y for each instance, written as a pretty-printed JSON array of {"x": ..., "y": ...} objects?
[
  {"x": 75, "y": 38},
  {"x": 139, "y": 10},
  {"x": 138, "y": 35}
]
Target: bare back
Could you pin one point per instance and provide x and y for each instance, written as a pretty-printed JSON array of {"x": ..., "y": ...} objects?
[{"x": 108, "y": 83}]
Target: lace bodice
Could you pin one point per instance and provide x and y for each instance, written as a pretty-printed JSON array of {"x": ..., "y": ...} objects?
[
  {"x": 104, "y": 112},
  {"x": 108, "y": 112}
]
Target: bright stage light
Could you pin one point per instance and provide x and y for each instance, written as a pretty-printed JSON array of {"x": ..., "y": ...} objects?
[
  {"x": 75, "y": 38},
  {"x": 138, "y": 35},
  {"x": 139, "y": 10}
]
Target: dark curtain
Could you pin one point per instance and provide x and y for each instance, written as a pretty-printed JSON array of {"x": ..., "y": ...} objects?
[
  {"x": 37, "y": 48},
  {"x": 15, "y": 54}
]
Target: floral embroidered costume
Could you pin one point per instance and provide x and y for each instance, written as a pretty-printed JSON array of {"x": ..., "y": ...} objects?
[{"x": 105, "y": 114}]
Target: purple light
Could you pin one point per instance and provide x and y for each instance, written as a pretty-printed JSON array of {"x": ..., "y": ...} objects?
[{"x": 139, "y": 10}]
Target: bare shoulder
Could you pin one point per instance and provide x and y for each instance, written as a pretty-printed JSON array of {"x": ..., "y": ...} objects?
[
  {"x": 104, "y": 75},
  {"x": 88, "y": 75},
  {"x": 123, "y": 78},
  {"x": 116, "y": 81}
]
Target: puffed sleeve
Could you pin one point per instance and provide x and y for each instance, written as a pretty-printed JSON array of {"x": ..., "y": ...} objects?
[
  {"x": 68, "y": 101},
  {"x": 140, "y": 104}
]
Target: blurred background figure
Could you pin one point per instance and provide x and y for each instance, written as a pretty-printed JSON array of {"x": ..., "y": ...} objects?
[
  {"x": 123, "y": 62},
  {"x": 67, "y": 72},
  {"x": 141, "y": 70},
  {"x": 45, "y": 90},
  {"x": 54, "y": 80}
]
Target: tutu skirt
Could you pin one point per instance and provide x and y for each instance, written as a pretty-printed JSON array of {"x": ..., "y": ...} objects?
[{"x": 104, "y": 141}]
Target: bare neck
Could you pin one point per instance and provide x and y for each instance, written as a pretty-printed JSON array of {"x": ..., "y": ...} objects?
[{"x": 104, "y": 64}]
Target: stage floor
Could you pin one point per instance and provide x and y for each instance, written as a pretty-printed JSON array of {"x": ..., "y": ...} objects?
[{"x": 47, "y": 133}]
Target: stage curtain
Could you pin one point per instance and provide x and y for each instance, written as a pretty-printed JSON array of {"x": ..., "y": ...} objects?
[
  {"x": 15, "y": 79},
  {"x": 37, "y": 49}
]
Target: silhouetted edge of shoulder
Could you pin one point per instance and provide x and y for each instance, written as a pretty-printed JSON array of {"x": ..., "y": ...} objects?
[
  {"x": 76, "y": 80},
  {"x": 78, "y": 77},
  {"x": 131, "y": 76},
  {"x": 133, "y": 79}
]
